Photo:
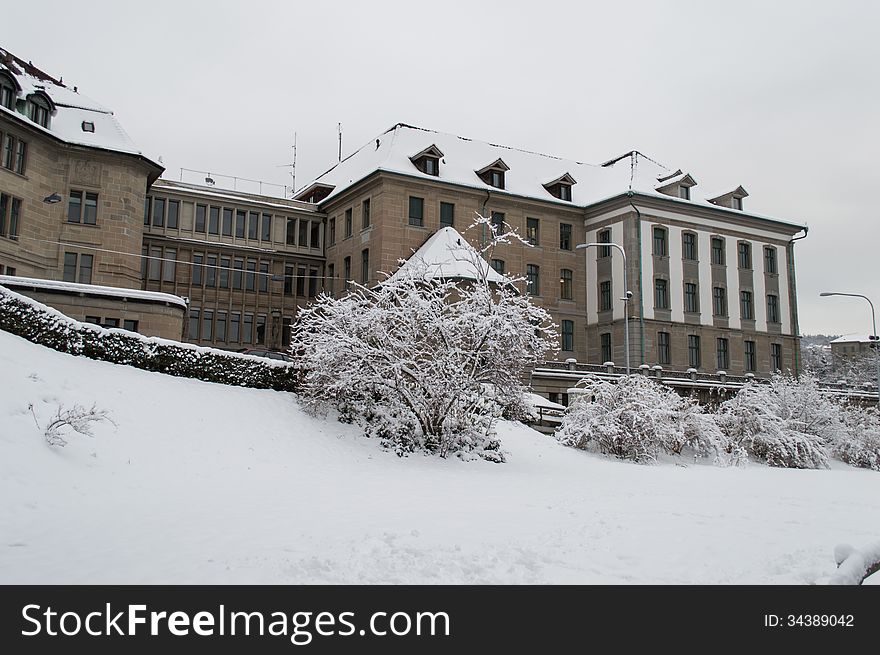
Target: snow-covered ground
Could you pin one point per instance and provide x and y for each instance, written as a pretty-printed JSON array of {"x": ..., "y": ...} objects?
[{"x": 202, "y": 483}]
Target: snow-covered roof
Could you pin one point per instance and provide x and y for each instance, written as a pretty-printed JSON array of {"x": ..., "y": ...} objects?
[
  {"x": 446, "y": 254},
  {"x": 853, "y": 339},
  {"x": 242, "y": 197},
  {"x": 527, "y": 174},
  {"x": 71, "y": 110},
  {"x": 14, "y": 281}
]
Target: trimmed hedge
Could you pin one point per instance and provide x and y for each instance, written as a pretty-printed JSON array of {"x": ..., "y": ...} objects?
[{"x": 45, "y": 326}]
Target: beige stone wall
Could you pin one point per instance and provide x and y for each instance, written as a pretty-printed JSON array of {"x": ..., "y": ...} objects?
[
  {"x": 153, "y": 319},
  {"x": 53, "y": 167}
]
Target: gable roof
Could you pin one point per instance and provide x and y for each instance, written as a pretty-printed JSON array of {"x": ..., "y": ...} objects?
[{"x": 447, "y": 255}]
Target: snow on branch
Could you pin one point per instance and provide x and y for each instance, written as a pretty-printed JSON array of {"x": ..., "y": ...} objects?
[{"x": 854, "y": 566}]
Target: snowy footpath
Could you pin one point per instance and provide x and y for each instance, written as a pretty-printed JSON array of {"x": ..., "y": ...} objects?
[{"x": 203, "y": 483}]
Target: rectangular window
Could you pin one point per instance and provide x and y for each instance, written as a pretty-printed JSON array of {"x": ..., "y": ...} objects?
[
  {"x": 659, "y": 241},
  {"x": 238, "y": 273},
  {"x": 131, "y": 326},
  {"x": 532, "y": 231},
  {"x": 227, "y": 222},
  {"x": 263, "y": 282},
  {"x": 749, "y": 356},
  {"x": 691, "y": 298},
  {"x": 745, "y": 255},
  {"x": 746, "y": 308},
  {"x": 194, "y": 322},
  {"x": 605, "y": 237},
  {"x": 316, "y": 234},
  {"x": 303, "y": 233},
  {"x": 197, "y": 267},
  {"x": 313, "y": 282},
  {"x": 331, "y": 238},
  {"x": 90, "y": 209},
  {"x": 234, "y": 327},
  {"x": 348, "y": 221},
  {"x": 498, "y": 265},
  {"x": 20, "y": 157},
  {"x": 718, "y": 251},
  {"x": 247, "y": 331},
  {"x": 158, "y": 212},
  {"x": 169, "y": 266},
  {"x": 207, "y": 325},
  {"x": 365, "y": 214},
  {"x": 211, "y": 271},
  {"x": 173, "y": 214},
  {"x": 604, "y": 296},
  {"x": 533, "y": 282},
  {"x": 288, "y": 280},
  {"x": 447, "y": 214},
  {"x": 775, "y": 357},
  {"x": 266, "y": 228},
  {"x": 261, "y": 329},
  {"x": 8, "y": 151},
  {"x": 301, "y": 281},
  {"x": 770, "y": 260},
  {"x": 74, "y": 207},
  {"x": 723, "y": 352},
  {"x": 498, "y": 222},
  {"x": 221, "y": 326},
  {"x": 250, "y": 275},
  {"x": 565, "y": 284},
  {"x": 85, "y": 269},
  {"x": 737, "y": 203},
  {"x": 663, "y": 356},
  {"x": 331, "y": 282},
  {"x": 365, "y": 265},
  {"x": 9, "y": 228},
  {"x": 565, "y": 236},
  {"x": 148, "y": 203},
  {"x": 201, "y": 216},
  {"x": 568, "y": 335},
  {"x": 689, "y": 245},
  {"x": 605, "y": 341},
  {"x": 286, "y": 326},
  {"x": 290, "y": 238},
  {"x": 214, "y": 220},
  {"x": 240, "y": 221},
  {"x": 225, "y": 263},
  {"x": 694, "y": 359},
  {"x": 661, "y": 294},
  {"x": 253, "y": 225},
  {"x": 684, "y": 192},
  {"x": 416, "y": 211},
  {"x": 155, "y": 265},
  {"x": 719, "y": 301},
  {"x": 773, "y": 309},
  {"x": 346, "y": 272},
  {"x": 69, "y": 267}
]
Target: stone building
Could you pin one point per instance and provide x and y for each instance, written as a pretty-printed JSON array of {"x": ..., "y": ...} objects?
[{"x": 713, "y": 284}]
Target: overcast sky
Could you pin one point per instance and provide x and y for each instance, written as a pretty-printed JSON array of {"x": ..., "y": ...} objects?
[{"x": 781, "y": 97}]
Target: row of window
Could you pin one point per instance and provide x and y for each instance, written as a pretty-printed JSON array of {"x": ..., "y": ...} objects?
[
  {"x": 692, "y": 300},
  {"x": 348, "y": 224},
  {"x": 222, "y": 326},
  {"x": 10, "y": 216},
  {"x": 108, "y": 322},
  {"x": 717, "y": 249},
  {"x": 346, "y": 272},
  {"x": 7, "y": 270},
  {"x": 722, "y": 352},
  {"x": 14, "y": 155},
  {"x": 37, "y": 107}
]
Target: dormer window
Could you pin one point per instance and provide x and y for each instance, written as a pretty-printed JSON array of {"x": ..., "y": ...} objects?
[
  {"x": 684, "y": 192},
  {"x": 493, "y": 174},
  {"x": 88, "y": 126},
  {"x": 39, "y": 107},
  {"x": 677, "y": 184},
  {"x": 428, "y": 160},
  {"x": 561, "y": 187},
  {"x": 315, "y": 193},
  {"x": 737, "y": 203},
  {"x": 8, "y": 90},
  {"x": 731, "y": 199}
]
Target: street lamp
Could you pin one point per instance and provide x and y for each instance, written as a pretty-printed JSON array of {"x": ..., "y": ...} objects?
[
  {"x": 627, "y": 294},
  {"x": 873, "y": 337}
]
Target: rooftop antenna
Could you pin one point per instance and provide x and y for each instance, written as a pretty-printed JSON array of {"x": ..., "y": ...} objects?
[
  {"x": 339, "y": 128},
  {"x": 293, "y": 168}
]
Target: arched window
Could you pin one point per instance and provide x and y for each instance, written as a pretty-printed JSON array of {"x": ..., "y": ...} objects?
[
  {"x": 39, "y": 108},
  {"x": 8, "y": 90}
]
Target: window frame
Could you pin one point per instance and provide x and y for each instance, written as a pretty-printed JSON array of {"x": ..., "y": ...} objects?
[{"x": 416, "y": 211}]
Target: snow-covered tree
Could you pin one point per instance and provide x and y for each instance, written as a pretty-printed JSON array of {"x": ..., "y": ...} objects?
[
  {"x": 410, "y": 359},
  {"x": 859, "y": 443},
  {"x": 636, "y": 418}
]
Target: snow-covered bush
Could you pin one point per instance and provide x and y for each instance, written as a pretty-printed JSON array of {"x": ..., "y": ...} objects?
[
  {"x": 409, "y": 358},
  {"x": 45, "y": 326},
  {"x": 637, "y": 418},
  {"x": 71, "y": 419},
  {"x": 859, "y": 445},
  {"x": 760, "y": 421}
]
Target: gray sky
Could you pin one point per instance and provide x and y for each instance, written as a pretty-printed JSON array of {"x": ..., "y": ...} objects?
[{"x": 781, "y": 97}]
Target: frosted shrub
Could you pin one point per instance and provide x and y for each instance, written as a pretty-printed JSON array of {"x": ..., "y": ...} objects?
[
  {"x": 859, "y": 445},
  {"x": 409, "y": 359},
  {"x": 637, "y": 419},
  {"x": 758, "y": 422},
  {"x": 71, "y": 419}
]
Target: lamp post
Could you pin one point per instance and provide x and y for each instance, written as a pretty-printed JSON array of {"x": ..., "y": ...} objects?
[
  {"x": 627, "y": 294},
  {"x": 873, "y": 337}
]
